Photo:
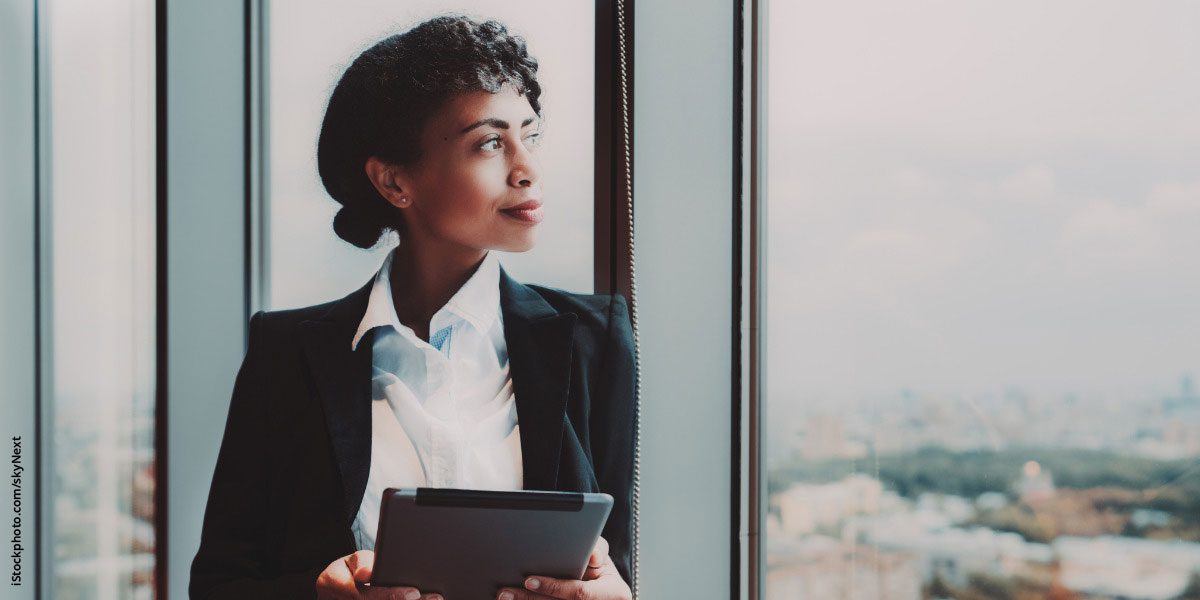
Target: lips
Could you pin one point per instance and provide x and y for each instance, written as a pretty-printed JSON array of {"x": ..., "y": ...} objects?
[
  {"x": 527, "y": 212},
  {"x": 527, "y": 205}
]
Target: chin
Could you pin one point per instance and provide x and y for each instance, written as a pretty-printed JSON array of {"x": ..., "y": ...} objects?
[
  {"x": 520, "y": 245},
  {"x": 524, "y": 247}
]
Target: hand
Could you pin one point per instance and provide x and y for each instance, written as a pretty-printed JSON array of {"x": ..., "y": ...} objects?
[
  {"x": 344, "y": 578},
  {"x": 601, "y": 581}
]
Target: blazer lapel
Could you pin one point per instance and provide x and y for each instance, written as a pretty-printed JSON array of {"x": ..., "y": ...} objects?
[
  {"x": 539, "y": 341},
  {"x": 343, "y": 380}
]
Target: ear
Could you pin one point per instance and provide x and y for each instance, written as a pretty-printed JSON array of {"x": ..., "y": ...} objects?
[{"x": 390, "y": 181}]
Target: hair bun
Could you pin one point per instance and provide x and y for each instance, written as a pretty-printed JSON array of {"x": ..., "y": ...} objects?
[{"x": 357, "y": 228}]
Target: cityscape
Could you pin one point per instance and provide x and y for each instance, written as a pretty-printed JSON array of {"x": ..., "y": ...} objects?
[
  {"x": 1009, "y": 495},
  {"x": 103, "y": 522},
  {"x": 919, "y": 497}
]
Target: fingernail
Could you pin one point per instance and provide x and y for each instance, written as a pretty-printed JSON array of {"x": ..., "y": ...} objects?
[
  {"x": 532, "y": 583},
  {"x": 436, "y": 597},
  {"x": 506, "y": 595},
  {"x": 412, "y": 595}
]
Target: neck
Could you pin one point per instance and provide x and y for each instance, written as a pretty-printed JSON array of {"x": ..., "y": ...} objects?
[{"x": 424, "y": 277}]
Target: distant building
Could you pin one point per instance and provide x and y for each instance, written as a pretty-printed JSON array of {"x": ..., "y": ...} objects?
[
  {"x": 988, "y": 501},
  {"x": 955, "y": 553},
  {"x": 824, "y": 568},
  {"x": 1036, "y": 484},
  {"x": 1132, "y": 568},
  {"x": 824, "y": 436},
  {"x": 956, "y": 508},
  {"x": 806, "y": 508},
  {"x": 1187, "y": 398},
  {"x": 1181, "y": 436}
]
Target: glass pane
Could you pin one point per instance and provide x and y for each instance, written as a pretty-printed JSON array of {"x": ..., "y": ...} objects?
[
  {"x": 307, "y": 262},
  {"x": 984, "y": 313},
  {"x": 101, "y": 281}
]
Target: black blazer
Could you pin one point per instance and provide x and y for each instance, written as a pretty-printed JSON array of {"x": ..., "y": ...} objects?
[{"x": 293, "y": 463}]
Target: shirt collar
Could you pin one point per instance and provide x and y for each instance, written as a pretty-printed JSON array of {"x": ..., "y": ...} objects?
[{"x": 476, "y": 302}]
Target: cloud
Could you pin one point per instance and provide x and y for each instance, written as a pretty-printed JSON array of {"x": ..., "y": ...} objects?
[
  {"x": 1175, "y": 199},
  {"x": 900, "y": 253},
  {"x": 1031, "y": 183},
  {"x": 1105, "y": 235}
]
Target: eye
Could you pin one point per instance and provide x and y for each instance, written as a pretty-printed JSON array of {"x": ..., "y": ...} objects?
[
  {"x": 534, "y": 140},
  {"x": 485, "y": 144}
]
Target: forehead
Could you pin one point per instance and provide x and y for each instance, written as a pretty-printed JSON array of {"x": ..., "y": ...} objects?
[{"x": 470, "y": 107}]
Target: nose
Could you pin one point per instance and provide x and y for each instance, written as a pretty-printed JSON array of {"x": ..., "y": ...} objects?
[{"x": 526, "y": 170}]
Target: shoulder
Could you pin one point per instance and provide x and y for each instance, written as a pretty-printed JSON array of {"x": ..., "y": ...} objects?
[
  {"x": 603, "y": 325},
  {"x": 593, "y": 310},
  {"x": 278, "y": 323},
  {"x": 283, "y": 328},
  {"x": 289, "y": 318}
]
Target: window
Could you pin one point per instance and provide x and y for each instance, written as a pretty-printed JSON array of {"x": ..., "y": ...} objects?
[
  {"x": 306, "y": 263},
  {"x": 983, "y": 327},
  {"x": 99, "y": 277}
]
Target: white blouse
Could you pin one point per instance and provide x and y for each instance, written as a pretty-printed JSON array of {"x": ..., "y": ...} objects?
[{"x": 443, "y": 412}]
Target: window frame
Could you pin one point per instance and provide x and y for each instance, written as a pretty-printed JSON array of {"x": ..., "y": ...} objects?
[{"x": 755, "y": 26}]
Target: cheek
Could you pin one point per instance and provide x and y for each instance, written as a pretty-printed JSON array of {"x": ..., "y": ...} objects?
[{"x": 469, "y": 199}]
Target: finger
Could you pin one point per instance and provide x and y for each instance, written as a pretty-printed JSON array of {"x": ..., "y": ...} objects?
[
  {"x": 336, "y": 581},
  {"x": 520, "y": 594},
  {"x": 361, "y": 564},
  {"x": 392, "y": 593},
  {"x": 600, "y": 553},
  {"x": 566, "y": 589},
  {"x": 591, "y": 573}
]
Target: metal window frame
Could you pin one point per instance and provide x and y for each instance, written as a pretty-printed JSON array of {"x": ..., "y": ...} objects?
[
  {"x": 613, "y": 158},
  {"x": 754, "y": 98}
]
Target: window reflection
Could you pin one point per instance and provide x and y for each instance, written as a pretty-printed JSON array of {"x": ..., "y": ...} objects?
[
  {"x": 306, "y": 262},
  {"x": 984, "y": 339}
]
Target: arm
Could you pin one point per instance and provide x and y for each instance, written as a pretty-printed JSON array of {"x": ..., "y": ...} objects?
[
  {"x": 612, "y": 432},
  {"x": 230, "y": 562}
]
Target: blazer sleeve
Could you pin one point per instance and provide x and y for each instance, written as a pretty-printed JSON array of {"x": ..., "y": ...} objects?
[
  {"x": 612, "y": 433},
  {"x": 231, "y": 561}
]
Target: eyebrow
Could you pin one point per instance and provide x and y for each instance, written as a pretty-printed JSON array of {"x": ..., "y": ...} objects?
[{"x": 494, "y": 122}]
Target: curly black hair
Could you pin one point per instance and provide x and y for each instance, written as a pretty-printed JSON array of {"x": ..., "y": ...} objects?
[{"x": 389, "y": 92}]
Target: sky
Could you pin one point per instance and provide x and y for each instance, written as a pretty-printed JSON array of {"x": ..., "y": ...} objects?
[{"x": 968, "y": 196}]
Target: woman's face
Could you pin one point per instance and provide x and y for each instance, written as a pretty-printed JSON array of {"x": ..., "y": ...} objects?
[{"x": 478, "y": 163}]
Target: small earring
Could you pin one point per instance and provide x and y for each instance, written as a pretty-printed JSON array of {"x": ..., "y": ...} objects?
[{"x": 403, "y": 200}]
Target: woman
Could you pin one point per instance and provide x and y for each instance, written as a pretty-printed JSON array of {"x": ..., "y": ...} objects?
[{"x": 441, "y": 370}]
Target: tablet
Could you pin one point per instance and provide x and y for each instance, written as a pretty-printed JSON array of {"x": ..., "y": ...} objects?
[{"x": 467, "y": 544}]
